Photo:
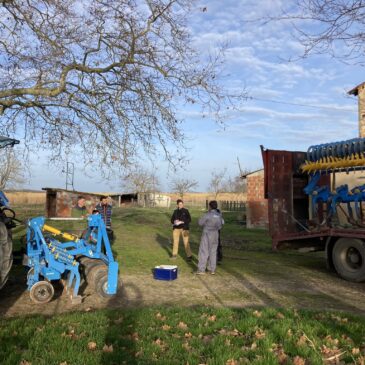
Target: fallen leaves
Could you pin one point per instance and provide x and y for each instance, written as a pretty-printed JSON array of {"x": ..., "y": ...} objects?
[
  {"x": 183, "y": 325},
  {"x": 331, "y": 355},
  {"x": 257, "y": 314},
  {"x": 72, "y": 334},
  {"x": 299, "y": 361},
  {"x": 186, "y": 346},
  {"x": 302, "y": 340},
  {"x": 92, "y": 346},
  {"x": 260, "y": 333},
  {"x": 160, "y": 343},
  {"x": 25, "y": 362},
  {"x": 339, "y": 319},
  {"x": 279, "y": 353},
  {"x": 107, "y": 348},
  {"x": 212, "y": 318},
  {"x": 233, "y": 333},
  {"x": 160, "y": 317},
  {"x": 165, "y": 327}
]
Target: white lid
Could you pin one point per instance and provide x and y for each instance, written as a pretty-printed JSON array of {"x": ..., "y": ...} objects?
[{"x": 166, "y": 267}]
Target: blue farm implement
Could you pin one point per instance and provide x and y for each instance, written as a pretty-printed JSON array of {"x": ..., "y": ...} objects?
[
  {"x": 71, "y": 259},
  {"x": 323, "y": 159},
  {"x": 308, "y": 209}
]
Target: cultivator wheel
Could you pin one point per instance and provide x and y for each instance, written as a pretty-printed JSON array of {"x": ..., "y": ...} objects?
[
  {"x": 94, "y": 272},
  {"x": 96, "y": 275},
  {"x": 41, "y": 292},
  {"x": 101, "y": 284}
]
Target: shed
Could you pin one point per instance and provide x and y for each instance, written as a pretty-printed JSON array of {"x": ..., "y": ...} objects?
[{"x": 59, "y": 202}]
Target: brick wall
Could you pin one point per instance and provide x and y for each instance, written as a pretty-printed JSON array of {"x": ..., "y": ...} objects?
[{"x": 257, "y": 207}]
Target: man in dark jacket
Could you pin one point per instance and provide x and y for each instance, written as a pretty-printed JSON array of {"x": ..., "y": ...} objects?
[
  {"x": 180, "y": 224},
  {"x": 105, "y": 211}
]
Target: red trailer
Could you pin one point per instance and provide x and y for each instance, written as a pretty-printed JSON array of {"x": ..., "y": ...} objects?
[{"x": 289, "y": 216}]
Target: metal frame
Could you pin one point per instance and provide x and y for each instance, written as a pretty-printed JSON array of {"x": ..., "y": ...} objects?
[{"x": 52, "y": 259}]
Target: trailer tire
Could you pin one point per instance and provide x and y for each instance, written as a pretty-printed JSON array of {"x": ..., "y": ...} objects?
[
  {"x": 348, "y": 257},
  {"x": 41, "y": 292}
]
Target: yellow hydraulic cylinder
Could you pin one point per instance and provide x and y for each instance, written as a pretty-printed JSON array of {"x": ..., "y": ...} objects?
[{"x": 57, "y": 232}]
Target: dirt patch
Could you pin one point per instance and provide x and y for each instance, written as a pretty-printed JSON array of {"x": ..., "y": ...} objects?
[{"x": 229, "y": 287}]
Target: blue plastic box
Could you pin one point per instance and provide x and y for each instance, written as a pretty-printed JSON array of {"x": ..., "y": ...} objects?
[{"x": 165, "y": 272}]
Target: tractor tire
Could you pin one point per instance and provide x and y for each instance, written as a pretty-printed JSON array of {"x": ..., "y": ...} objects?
[
  {"x": 348, "y": 257},
  {"x": 41, "y": 292},
  {"x": 6, "y": 253},
  {"x": 101, "y": 283}
]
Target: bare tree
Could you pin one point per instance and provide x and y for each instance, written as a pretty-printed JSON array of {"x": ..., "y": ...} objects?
[
  {"x": 335, "y": 27},
  {"x": 217, "y": 182},
  {"x": 183, "y": 186},
  {"x": 103, "y": 78},
  {"x": 141, "y": 180},
  {"x": 235, "y": 185},
  {"x": 11, "y": 169}
]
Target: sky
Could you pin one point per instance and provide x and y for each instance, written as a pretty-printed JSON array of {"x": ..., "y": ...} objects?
[{"x": 290, "y": 105}]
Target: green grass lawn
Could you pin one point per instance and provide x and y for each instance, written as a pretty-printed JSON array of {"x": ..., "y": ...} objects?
[
  {"x": 187, "y": 335},
  {"x": 199, "y": 335}
]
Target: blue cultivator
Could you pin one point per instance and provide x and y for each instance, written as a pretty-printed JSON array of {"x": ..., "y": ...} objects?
[
  {"x": 344, "y": 156},
  {"x": 76, "y": 258}
]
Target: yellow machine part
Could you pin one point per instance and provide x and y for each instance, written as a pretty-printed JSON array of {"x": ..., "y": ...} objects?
[
  {"x": 333, "y": 163},
  {"x": 57, "y": 232}
]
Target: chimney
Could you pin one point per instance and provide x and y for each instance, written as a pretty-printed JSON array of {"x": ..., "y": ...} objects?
[{"x": 359, "y": 91}]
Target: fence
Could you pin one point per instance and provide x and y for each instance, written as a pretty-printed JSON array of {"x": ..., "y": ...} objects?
[{"x": 231, "y": 206}]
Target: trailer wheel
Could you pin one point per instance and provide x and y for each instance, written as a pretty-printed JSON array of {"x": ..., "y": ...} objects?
[
  {"x": 101, "y": 284},
  {"x": 349, "y": 259},
  {"x": 41, "y": 292}
]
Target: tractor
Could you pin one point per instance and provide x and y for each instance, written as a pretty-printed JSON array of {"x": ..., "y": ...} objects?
[{"x": 7, "y": 222}]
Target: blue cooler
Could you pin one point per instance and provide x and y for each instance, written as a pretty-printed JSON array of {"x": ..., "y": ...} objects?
[{"x": 165, "y": 272}]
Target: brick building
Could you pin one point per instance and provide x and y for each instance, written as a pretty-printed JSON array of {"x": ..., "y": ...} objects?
[{"x": 257, "y": 207}]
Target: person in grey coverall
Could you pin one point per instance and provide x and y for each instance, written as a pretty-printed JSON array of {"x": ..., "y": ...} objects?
[{"x": 211, "y": 222}]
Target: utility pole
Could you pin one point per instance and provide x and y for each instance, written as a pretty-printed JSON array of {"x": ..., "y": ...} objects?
[{"x": 70, "y": 169}]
